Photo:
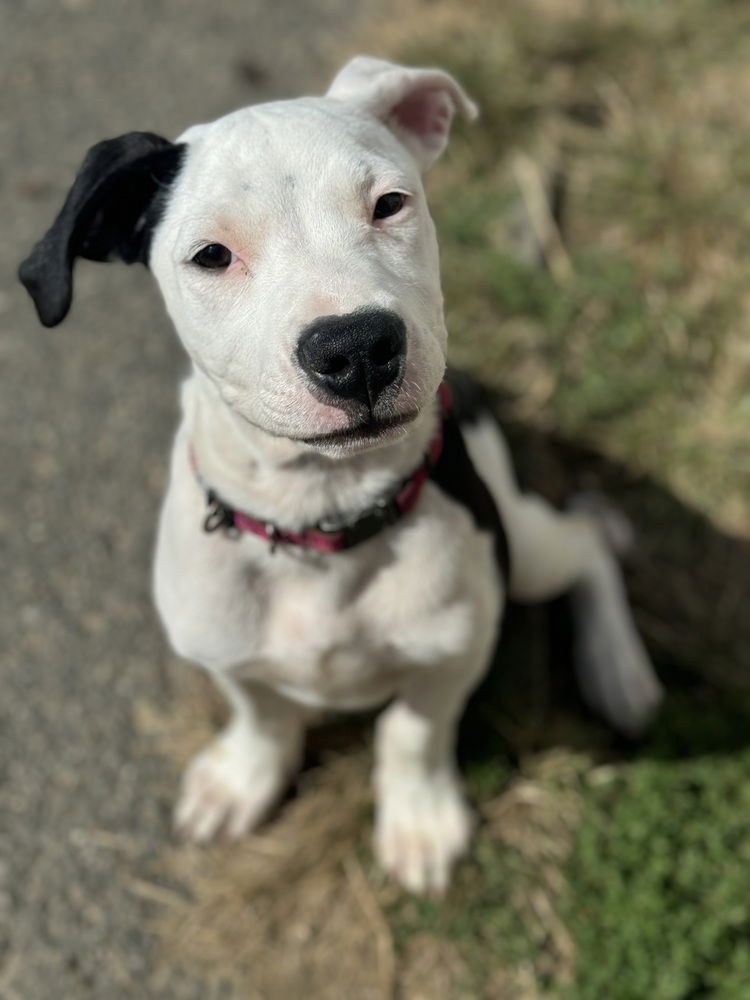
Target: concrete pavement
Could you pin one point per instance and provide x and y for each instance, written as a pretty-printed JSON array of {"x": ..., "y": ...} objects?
[{"x": 87, "y": 411}]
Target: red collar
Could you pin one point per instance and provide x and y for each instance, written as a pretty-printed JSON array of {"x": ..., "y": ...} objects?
[{"x": 326, "y": 536}]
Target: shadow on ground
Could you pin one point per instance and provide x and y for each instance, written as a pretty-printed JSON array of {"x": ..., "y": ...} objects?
[{"x": 688, "y": 583}]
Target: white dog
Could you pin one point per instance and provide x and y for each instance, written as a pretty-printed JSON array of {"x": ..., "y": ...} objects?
[{"x": 352, "y": 565}]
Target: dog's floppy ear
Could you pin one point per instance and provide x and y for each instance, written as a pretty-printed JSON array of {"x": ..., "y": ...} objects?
[
  {"x": 109, "y": 214},
  {"x": 416, "y": 104}
]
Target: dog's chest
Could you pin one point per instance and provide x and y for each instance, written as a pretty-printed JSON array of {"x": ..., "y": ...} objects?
[
  {"x": 317, "y": 643},
  {"x": 345, "y": 633}
]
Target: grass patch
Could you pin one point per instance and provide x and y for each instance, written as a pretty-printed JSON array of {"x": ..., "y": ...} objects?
[
  {"x": 661, "y": 882},
  {"x": 639, "y": 113}
]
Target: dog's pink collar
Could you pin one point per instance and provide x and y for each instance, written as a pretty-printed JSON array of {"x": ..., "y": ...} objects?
[{"x": 387, "y": 510}]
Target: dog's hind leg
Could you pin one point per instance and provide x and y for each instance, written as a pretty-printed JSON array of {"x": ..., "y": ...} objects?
[
  {"x": 553, "y": 552},
  {"x": 230, "y": 786}
]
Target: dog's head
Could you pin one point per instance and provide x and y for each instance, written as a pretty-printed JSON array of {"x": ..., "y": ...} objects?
[{"x": 293, "y": 247}]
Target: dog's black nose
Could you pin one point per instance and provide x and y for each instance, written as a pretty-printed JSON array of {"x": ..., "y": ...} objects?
[{"x": 355, "y": 356}]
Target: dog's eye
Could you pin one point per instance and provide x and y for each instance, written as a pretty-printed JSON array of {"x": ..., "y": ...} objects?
[
  {"x": 389, "y": 204},
  {"x": 213, "y": 256}
]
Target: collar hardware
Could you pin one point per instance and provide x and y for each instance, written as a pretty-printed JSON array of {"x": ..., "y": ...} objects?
[
  {"x": 447, "y": 464},
  {"x": 219, "y": 515}
]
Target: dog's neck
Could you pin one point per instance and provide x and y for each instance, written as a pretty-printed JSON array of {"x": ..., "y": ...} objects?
[{"x": 285, "y": 482}]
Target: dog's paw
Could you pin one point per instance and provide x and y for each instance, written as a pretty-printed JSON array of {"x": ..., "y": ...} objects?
[
  {"x": 422, "y": 827},
  {"x": 228, "y": 788}
]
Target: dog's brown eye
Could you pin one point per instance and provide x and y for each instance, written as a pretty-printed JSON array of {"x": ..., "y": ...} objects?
[
  {"x": 389, "y": 204},
  {"x": 214, "y": 256}
]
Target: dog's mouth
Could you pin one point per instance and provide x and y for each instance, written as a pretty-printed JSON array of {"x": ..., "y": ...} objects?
[{"x": 364, "y": 432}]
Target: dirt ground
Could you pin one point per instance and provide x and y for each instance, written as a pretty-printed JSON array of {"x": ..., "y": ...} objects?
[{"x": 87, "y": 415}]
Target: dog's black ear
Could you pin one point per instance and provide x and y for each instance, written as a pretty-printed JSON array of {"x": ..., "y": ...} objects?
[{"x": 109, "y": 214}]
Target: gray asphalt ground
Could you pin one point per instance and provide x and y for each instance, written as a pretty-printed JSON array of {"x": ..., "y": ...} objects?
[{"x": 87, "y": 413}]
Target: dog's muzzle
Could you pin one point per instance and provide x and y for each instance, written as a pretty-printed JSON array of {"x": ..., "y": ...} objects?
[{"x": 354, "y": 357}]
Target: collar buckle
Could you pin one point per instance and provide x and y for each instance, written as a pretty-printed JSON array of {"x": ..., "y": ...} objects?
[
  {"x": 273, "y": 534},
  {"x": 383, "y": 513},
  {"x": 219, "y": 515}
]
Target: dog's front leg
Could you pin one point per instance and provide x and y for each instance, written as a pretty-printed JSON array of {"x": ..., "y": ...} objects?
[
  {"x": 422, "y": 822},
  {"x": 229, "y": 787}
]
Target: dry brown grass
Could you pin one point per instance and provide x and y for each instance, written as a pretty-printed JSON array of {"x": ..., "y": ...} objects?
[
  {"x": 288, "y": 906},
  {"x": 300, "y": 909}
]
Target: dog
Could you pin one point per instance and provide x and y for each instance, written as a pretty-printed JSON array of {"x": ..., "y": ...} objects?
[{"x": 337, "y": 534}]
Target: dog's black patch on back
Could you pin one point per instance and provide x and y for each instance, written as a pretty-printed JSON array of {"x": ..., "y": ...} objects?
[
  {"x": 110, "y": 212},
  {"x": 455, "y": 472},
  {"x": 470, "y": 399}
]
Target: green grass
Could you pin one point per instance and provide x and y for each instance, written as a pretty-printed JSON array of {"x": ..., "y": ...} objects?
[
  {"x": 660, "y": 882},
  {"x": 659, "y": 900}
]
